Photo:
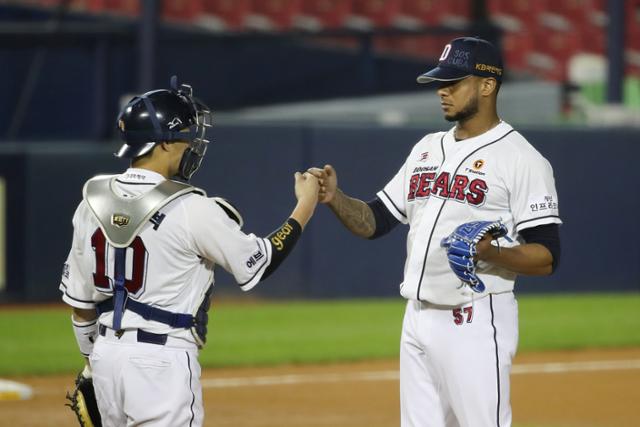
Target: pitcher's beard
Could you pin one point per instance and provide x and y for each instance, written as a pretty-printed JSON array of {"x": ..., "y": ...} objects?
[{"x": 469, "y": 110}]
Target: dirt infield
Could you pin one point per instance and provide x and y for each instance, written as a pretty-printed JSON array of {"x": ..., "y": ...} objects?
[{"x": 595, "y": 388}]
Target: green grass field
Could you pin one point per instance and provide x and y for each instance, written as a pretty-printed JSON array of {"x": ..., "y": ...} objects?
[{"x": 36, "y": 341}]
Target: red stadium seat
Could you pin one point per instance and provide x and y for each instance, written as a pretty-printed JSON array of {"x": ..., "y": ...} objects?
[
  {"x": 575, "y": 12},
  {"x": 327, "y": 14},
  {"x": 543, "y": 35},
  {"x": 182, "y": 10},
  {"x": 457, "y": 13},
  {"x": 416, "y": 13},
  {"x": 122, "y": 7},
  {"x": 594, "y": 39},
  {"x": 582, "y": 18},
  {"x": 632, "y": 38},
  {"x": 560, "y": 46},
  {"x": 632, "y": 24},
  {"x": 515, "y": 15},
  {"x": 516, "y": 47},
  {"x": 224, "y": 14},
  {"x": 377, "y": 13},
  {"x": 274, "y": 14}
]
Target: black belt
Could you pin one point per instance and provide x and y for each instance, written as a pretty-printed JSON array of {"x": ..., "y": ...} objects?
[{"x": 142, "y": 335}]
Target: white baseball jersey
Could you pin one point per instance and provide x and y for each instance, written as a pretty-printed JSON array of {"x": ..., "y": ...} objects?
[
  {"x": 169, "y": 264},
  {"x": 443, "y": 183}
]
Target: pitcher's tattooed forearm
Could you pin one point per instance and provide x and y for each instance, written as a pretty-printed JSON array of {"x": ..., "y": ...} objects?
[{"x": 354, "y": 214}]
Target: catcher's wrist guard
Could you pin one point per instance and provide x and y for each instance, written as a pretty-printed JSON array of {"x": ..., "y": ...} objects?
[
  {"x": 86, "y": 333},
  {"x": 83, "y": 402}
]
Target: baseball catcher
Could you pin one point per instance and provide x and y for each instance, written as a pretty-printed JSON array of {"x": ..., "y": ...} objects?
[
  {"x": 140, "y": 272},
  {"x": 462, "y": 251}
]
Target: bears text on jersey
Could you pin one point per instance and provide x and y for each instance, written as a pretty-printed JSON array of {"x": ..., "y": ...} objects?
[{"x": 460, "y": 188}]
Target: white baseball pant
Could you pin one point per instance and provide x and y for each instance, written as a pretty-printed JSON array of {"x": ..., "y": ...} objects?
[
  {"x": 138, "y": 383},
  {"x": 455, "y": 363}
]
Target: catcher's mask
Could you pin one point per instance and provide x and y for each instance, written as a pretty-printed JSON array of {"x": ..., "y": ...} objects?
[{"x": 166, "y": 115}]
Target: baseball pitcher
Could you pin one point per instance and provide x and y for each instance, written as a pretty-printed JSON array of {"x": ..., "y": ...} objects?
[{"x": 482, "y": 208}]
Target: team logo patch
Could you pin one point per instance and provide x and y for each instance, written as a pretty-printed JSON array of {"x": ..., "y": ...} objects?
[
  {"x": 157, "y": 219},
  {"x": 175, "y": 122},
  {"x": 120, "y": 220},
  {"x": 478, "y": 164},
  {"x": 445, "y": 52}
]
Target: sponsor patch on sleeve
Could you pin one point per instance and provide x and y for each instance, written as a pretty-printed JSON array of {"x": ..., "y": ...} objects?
[
  {"x": 254, "y": 258},
  {"x": 545, "y": 204}
]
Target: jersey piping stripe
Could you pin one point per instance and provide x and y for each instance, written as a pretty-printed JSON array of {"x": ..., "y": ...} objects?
[
  {"x": 426, "y": 252},
  {"x": 264, "y": 263},
  {"x": 84, "y": 326},
  {"x": 535, "y": 219},
  {"x": 444, "y": 155},
  {"x": 136, "y": 183},
  {"x": 424, "y": 261},
  {"x": 394, "y": 205},
  {"x": 75, "y": 299},
  {"x": 495, "y": 341},
  {"x": 193, "y": 396}
]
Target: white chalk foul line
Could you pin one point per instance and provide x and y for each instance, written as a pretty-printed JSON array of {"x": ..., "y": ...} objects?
[
  {"x": 553, "y": 368},
  {"x": 532, "y": 368},
  {"x": 300, "y": 379}
]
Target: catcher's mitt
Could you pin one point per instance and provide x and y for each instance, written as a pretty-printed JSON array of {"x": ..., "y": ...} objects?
[
  {"x": 461, "y": 249},
  {"x": 83, "y": 402}
]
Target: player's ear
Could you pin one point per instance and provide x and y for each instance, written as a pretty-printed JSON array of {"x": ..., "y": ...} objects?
[
  {"x": 165, "y": 146},
  {"x": 488, "y": 86}
]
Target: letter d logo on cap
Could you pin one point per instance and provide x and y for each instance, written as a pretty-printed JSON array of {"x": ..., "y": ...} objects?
[{"x": 445, "y": 52}]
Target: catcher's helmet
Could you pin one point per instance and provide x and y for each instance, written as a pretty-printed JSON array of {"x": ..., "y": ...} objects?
[{"x": 166, "y": 115}]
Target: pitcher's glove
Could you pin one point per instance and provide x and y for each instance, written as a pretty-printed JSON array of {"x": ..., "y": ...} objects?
[
  {"x": 83, "y": 401},
  {"x": 461, "y": 249}
]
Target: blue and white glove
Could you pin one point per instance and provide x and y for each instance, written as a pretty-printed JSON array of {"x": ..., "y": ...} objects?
[{"x": 461, "y": 249}]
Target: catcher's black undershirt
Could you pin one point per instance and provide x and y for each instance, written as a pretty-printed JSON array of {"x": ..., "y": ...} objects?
[{"x": 547, "y": 235}]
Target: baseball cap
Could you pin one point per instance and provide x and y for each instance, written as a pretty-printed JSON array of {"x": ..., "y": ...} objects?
[{"x": 463, "y": 57}]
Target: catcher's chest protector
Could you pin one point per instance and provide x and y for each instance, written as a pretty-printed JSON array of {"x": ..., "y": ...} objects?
[{"x": 120, "y": 218}]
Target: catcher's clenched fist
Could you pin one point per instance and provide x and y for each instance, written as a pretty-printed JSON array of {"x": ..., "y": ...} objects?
[{"x": 328, "y": 180}]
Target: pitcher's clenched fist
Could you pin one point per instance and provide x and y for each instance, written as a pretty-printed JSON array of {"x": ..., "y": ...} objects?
[{"x": 328, "y": 180}]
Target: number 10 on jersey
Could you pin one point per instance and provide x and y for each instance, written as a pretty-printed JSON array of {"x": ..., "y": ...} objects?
[{"x": 136, "y": 254}]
